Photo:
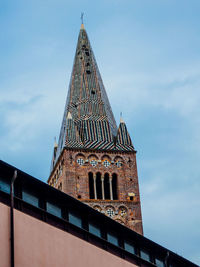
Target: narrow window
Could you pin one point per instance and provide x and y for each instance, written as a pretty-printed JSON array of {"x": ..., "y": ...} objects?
[
  {"x": 145, "y": 255},
  {"x": 4, "y": 186},
  {"x": 54, "y": 209},
  {"x": 75, "y": 219},
  {"x": 91, "y": 185},
  {"x": 112, "y": 238},
  {"x": 60, "y": 186},
  {"x": 106, "y": 186},
  {"x": 129, "y": 247},
  {"x": 114, "y": 186},
  {"x": 98, "y": 186},
  {"x": 159, "y": 263},
  {"x": 30, "y": 198},
  {"x": 94, "y": 229}
]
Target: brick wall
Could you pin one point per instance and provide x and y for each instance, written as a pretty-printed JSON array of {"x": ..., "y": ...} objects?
[{"x": 72, "y": 178}]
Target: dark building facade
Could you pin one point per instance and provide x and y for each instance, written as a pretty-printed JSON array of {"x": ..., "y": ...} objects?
[
  {"x": 95, "y": 161},
  {"x": 52, "y": 228}
]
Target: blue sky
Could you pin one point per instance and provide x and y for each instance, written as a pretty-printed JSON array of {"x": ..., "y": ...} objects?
[{"x": 148, "y": 54}]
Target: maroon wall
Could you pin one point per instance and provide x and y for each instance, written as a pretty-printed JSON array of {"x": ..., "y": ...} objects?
[{"x": 38, "y": 244}]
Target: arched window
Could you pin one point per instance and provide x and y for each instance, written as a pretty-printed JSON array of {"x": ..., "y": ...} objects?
[
  {"x": 98, "y": 185},
  {"x": 91, "y": 185},
  {"x": 106, "y": 186},
  {"x": 114, "y": 186}
]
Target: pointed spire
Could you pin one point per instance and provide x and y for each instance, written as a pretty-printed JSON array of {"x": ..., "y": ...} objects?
[
  {"x": 53, "y": 161},
  {"x": 88, "y": 121},
  {"x": 87, "y": 97},
  {"x": 55, "y": 143},
  {"x": 69, "y": 116},
  {"x": 121, "y": 119},
  {"x": 123, "y": 138}
]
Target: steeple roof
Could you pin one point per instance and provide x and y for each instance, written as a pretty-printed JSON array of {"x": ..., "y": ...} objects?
[
  {"x": 88, "y": 120},
  {"x": 87, "y": 98}
]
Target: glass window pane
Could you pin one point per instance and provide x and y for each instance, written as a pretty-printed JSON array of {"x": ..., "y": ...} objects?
[
  {"x": 53, "y": 209},
  {"x": 4, "y": 186},
  {"x": 31, "y": 199},
  {"x": 112, "y": 239},
  {"x": 75, "y": 219},
  {"x": 159, "y": 263},
  {"x": 128, "y": 247},
  {"x": 95, "y": 230},
  {"x": 145, "y": 255}
]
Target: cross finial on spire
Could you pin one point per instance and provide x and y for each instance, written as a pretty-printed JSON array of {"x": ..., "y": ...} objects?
[
  {"x": 82, "y": 14},
  {"x": 82, "y": 25}
]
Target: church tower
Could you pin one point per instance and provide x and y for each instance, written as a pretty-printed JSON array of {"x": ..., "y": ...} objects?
[{"x": 94, "y": 160}]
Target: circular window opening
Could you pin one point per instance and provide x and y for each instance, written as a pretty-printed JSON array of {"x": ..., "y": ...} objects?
[
  {"x": 106, "y": 163},
  {"x": 80, "y": 161},
  {"x": 123, "y": 212},
  {"x": 110, "y": 212},
  {"x": 93, "y": 162}
]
